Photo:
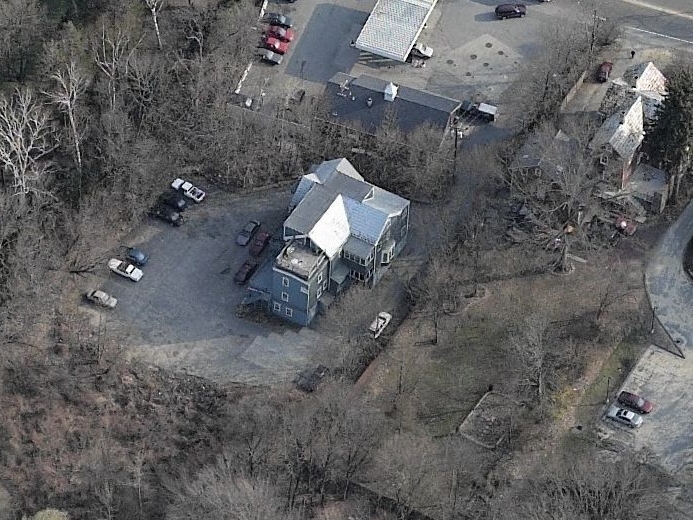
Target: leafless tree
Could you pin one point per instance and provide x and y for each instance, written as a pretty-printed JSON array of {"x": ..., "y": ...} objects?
[
  {"x": 531, "y": 349},
  {"x": 222, "y": 492},
  {"x": 71, "y": 85},
  {"x": 154, "y": 7},
  {"x": 25, "y": 142},
  {"x": 112, "y": 54}
]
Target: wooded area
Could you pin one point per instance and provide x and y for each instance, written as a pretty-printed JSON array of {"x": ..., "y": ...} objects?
[{"x": 102, "y": 100}]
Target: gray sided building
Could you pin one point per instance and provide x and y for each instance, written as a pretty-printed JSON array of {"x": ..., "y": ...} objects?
[{"x": 341, "y": 230}]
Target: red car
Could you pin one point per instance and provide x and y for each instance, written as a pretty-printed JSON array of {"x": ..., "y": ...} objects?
[
  {"x": 275, "y": 45},
  {"x": 260, "y": 243},
  {"x": 280, "y": 33},
  {"x": 245, "y": 272},
  {"x": 635, "y": 402}
]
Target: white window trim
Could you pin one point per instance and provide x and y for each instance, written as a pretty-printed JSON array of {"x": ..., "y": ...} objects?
[
  {"x": 285, "y": 281},
  {"x": 277, "y": 306},
  {"x": 285, "y": 297},
  {"x": 289, "y": 311},
  {"x": 319, "y": 277}
]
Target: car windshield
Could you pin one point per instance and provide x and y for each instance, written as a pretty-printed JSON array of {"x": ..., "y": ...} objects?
[{"x": 640, "y": 402}]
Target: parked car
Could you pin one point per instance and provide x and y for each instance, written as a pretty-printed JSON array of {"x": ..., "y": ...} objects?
[
  {"x": 247, "y": 233},
  {"x": 245, "y": 272},
  {"x": 260, "y": 243},
  {"x": 125, "y": 269},
  {"x": 278, "y": 19},
  {"x": 604, "y": 71},
  {"x": 275, "y": 45},
  {"x": 635, "y": 402},
  {"x": 174, "y": 200},
  {"x": 379, "y": 323},
  {"x": 504, "y": 11},
  {"x": 101, "y": 298},
  {"x": 280, "y": 33},
  {"x": 623, "y": 416},
  {"x": 137, "y": 257},
  {"x": 187, "y": 189},
  {"x": 271, "y": 57},
  {"x": 419, "y": 50},
  {"x": 167, "y": 214}
]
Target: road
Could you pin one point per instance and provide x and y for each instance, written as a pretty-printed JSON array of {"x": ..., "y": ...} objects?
[{"x": 670, "y": 19}]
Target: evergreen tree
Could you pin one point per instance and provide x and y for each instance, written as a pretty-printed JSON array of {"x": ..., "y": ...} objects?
[{"x": 670, "y": 139}]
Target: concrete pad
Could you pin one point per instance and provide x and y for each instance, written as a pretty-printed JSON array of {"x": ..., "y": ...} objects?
[{"x": 665, "y": 380}]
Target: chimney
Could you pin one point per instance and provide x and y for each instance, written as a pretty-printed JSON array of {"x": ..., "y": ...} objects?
[{"x": 390, "y": 92}]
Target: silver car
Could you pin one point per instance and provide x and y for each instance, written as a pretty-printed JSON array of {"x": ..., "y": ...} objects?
[{"x": 623, "y": 416}]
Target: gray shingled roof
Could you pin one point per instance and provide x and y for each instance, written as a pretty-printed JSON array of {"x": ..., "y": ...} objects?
[
  {"x": 348, "y": 98},
  {"x": 310, "y": 209}
]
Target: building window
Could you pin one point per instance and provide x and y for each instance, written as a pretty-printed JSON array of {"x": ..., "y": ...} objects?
[
  {"x": 289, "y": 312},
  {"x": 320, "y": 278},
  {"x": 277, "y": 307},
  {"x": 319, "y": 291},
  {"x": 304, "y": 289},
  {"x": 285, "y": 297},
  {"x": 356, "y": 274},
  {"x": 324, "y": 285},
  {"x": 285, "y": 281}
]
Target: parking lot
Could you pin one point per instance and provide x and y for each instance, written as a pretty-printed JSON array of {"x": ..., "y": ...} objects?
[
  {"x": 475, "y": 56},
  {"x": 663, "y": 379},
  {"x": 182, "y": 313}
]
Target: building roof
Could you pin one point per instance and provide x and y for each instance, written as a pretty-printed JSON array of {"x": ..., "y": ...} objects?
[
  {"x": 363, "y": 100},
  {"x": 298, "y": 259},
  {"x": 621, "y": 96},
  {"x": 358, "y": 247},
  {"x": 321, "y": 173},
  {"x": 645, "y": 76},
  {"x": 343, "y": 206},
  {"x": 394, "y": 26},
  {"x": 623, "y": 131}
]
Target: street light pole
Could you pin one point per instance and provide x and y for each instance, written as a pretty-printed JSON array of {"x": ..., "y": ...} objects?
[
  {"x": 652, "y": 327},
  {"x": 608, "y": 385}
]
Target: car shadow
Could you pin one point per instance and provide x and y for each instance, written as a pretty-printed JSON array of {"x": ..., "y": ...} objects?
[{"x": 487, "y": 17}]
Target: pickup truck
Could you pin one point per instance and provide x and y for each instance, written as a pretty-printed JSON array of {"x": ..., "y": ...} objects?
[{"x": 379, "y": 323}]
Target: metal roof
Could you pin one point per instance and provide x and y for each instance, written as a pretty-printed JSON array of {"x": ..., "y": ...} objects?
[{"x": 393, "y": 27}]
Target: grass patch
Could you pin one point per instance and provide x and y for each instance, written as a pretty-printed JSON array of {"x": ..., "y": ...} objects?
[{"x": 611, "y": 376}]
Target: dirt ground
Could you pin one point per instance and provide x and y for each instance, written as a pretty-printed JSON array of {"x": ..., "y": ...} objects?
[{"x": 444, "y": 381}]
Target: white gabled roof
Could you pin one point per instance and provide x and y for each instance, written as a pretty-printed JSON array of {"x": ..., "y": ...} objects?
[
  {"x": 394, "y": 26},
  {"x": 332, "y": 230}
]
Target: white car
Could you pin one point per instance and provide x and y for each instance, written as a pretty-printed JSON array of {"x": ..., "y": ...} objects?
[
  {"x": 101, "y": 298},
  {"x": 188, "y": 190},
  {"x": 623, "y": 416},
  {"x": 379, "y": 323},
  {"x": 124, "y": 269}
]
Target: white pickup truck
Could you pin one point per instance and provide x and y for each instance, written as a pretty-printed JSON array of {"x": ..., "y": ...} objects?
[{"x": 379, "y": 323}]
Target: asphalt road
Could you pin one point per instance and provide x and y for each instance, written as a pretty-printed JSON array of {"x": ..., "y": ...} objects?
[{"x": 671, "y": 19}]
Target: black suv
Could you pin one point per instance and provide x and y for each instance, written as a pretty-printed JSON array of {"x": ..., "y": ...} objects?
[
  {"x": 173, "y": 199},
  {"x": 504, "y": 11}
]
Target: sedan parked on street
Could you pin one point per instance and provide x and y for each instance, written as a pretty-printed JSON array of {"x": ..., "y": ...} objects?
[
  {"x": 247, "y": 233},
  {"x": 635, "y": 402},
  {"x": 125, "y": 269},
  {"x": 623, "y": 416},
  {"x": 275, "y": 45}
]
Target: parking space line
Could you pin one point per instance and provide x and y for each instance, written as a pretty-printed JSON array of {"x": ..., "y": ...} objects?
[{"x": 661, "y": 35}]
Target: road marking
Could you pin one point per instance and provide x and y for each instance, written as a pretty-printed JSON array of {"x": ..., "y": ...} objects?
[
  {"x": 660, "y": 35},
  {"x": 666, "y": 10}
]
